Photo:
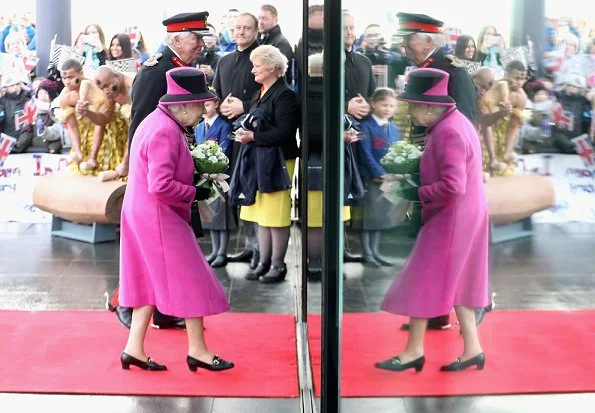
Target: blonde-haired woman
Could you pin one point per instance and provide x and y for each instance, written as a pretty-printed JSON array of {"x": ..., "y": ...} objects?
[{"x": 272, "y": 139}]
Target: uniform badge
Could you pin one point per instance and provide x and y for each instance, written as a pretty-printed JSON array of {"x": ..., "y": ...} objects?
[{"x": 153, "y": 60}]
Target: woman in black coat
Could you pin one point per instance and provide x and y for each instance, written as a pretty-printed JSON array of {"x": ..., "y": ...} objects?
[{"x": 263, "y": 174}]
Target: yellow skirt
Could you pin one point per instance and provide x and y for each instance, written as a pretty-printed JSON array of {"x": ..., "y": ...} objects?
[
  {"x": 271, "y": 209},
  {"x": 315, "y": 210}
]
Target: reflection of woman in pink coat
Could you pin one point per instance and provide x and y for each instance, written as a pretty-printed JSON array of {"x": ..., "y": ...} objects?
[
  {"x": 161, "y": 264},
  {"x": 449, "y": 262}
]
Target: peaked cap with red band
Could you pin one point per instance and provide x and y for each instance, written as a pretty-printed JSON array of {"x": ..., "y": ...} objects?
[
  {"x": 188, "y": 22},
  {"x": 410, "y": 23}
]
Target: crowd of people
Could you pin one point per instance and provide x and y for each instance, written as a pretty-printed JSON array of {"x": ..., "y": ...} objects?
[{"x": 244, "y": 84}]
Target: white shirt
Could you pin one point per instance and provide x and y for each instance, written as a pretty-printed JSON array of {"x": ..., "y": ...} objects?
[
  {"x": 209, "y": 121},
  {"x": 380, "y": 122}
]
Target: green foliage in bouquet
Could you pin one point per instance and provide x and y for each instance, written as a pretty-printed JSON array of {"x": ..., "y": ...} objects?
[
  {"x": 402, "y": 158},
  {"x": 209, "y": 158}
]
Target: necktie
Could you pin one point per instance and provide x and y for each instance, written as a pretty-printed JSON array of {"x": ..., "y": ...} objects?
[{"x": 207, "y": 127}]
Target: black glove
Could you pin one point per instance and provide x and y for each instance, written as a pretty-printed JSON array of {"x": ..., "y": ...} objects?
[
  {"x": 202, "y": 193},
  {"x": 196, "y": 178}
]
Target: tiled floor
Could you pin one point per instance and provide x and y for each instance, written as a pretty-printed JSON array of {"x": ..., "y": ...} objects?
[{"x": 552, "y": 270}]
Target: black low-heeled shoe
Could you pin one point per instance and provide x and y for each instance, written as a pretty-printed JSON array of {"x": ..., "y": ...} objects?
[
  {"x": 275, "y": 274},
  {"x": 127, "y": 360},
  {"x": 259, "y": 271},
  {"x": 218, "y": 364},
  {"x": 459, "y": 365},
  {"x": 394, "y": 364}
]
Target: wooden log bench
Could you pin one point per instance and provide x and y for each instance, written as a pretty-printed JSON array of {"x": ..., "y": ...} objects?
[
  {"x": 512, "y": 200},
  {"x": 83, "y": 207}
]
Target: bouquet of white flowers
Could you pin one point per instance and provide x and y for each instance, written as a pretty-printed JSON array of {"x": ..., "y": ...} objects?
[
  {"x": 210, "y": 162},
  {"x": 401, "y": 185},
  {"x": 402, "y": 158},
  {"x": 209, "y": 158}
]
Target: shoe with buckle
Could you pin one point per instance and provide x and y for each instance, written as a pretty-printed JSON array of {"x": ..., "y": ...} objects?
[
  {"x": 480, "y": 313},
  {"x": 218, "y": 364},
  {"x": 394, "y": 364},
  {"x": 242, "y": 256},
  {"x": 163, "y": 321},
  {"x": 259, "y": 271},
  {"x": 219, "y": 261},
  {"x": 275, "y": 274},
  {"x": 459, "y": 365},
  {"x": 127, "y": 361}
]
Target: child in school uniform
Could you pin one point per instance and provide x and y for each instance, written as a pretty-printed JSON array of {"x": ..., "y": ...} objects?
[
  {"x": 216, "y": 128},
  {"x": 376, "y": 213}
]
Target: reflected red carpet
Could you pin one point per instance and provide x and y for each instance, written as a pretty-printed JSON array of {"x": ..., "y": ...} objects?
[
  {"x": 526, "y": 352},
  {"x": 78, "y": 352}
]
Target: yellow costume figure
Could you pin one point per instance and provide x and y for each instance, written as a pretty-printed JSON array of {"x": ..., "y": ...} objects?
[
  {"x": 498, "y": 131},
  {"x": 115, "y": 137}
]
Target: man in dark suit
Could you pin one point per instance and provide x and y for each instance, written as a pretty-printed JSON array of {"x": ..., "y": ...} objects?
[
  {"x": 269, "y": 32},
  {"x": 235, "y": 85},
  {"x": 423, "y": 43},
  {"x": 183, "y": 45}
]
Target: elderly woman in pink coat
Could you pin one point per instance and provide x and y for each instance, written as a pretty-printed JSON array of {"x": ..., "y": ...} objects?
[
  {"x": 449, "y": 262},
  {"x": 160, "y": 262}
]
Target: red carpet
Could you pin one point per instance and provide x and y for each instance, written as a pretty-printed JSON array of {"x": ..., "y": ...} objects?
[
  {"x": 79, "y": 352},
  {"x": 526, "y": 352}
]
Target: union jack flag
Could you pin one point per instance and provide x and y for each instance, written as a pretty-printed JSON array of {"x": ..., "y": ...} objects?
[
  {"x": 451, "y": 35},
  {"x": 24, "y": 118},
  {"x": 585, "y": 150},
  {"x": 564, "y": 119},
  {"x": 30, "y": 62},
  {"x": 6, "y": 144},
  {"x": 133, "y": 33}
]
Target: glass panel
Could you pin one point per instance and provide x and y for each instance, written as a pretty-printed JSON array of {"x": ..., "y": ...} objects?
[{"x": 491, "y": 211}]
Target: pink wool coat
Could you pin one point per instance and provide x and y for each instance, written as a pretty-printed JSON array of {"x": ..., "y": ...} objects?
[
  {"x": 449, "y": 262},
  {"x": 160, "y": 261}
]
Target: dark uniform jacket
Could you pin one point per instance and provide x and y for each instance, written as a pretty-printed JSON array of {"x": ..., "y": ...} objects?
[
  {"x": 234, "y": 75},
  {"x": 358, "y": 76},
  {"x": 460, "y": 84},
  {"x": 148, "y": 87},
  {"x": 274, "y": 37},
  {"x": 460, "y": 88},
  {"x": 209, "y": 57}
]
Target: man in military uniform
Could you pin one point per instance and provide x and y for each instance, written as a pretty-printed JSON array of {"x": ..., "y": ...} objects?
[
  {"x": 423, "y": 43},
  {"x": 183, "y": 44}
]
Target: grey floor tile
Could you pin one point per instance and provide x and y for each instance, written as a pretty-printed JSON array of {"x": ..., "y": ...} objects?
[
  {"x": 233, "y": 405},
  {"x": 32, "y": 403},
  {"x": 376, "y": 405}
]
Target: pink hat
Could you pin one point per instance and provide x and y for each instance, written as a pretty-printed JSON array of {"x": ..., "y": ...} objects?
[
  {"x": 429, "y": 86},
  {"x": 186, "y": 85}
]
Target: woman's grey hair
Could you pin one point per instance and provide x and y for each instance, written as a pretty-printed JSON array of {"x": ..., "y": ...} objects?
[
  {"x": 271, "y": 56},
  {"x": 178, "y": 108},
  {"x": 170, "y": 37}
]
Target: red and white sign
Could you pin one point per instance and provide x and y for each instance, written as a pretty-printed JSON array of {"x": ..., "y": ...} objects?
[{"x": 585, "y": 150}]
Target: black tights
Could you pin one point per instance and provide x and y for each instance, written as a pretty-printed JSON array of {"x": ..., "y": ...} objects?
[{"x": 272, "y": 243}]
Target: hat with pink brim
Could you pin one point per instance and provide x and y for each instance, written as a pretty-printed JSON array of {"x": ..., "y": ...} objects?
[
  {"x": 186, "y": 85},
  {"x": 428, "y": 86}
]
